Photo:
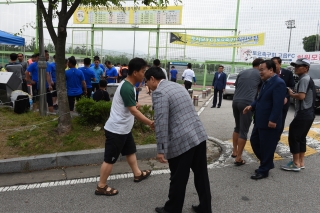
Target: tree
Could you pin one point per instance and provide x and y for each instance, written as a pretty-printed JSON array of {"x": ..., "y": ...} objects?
[
  {"x": 63, "y": 10},
  {"x": 309, "y": 43}
]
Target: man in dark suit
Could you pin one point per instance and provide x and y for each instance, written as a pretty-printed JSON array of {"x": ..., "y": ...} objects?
[
  {"x": 267, "y": 117},
  {"x": 287, "y": 77},
  {"x": 218, "y": 84}
]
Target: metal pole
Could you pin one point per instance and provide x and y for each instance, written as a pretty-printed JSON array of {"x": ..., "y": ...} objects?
[
  {"x": 134, "y": 42},
  {"x": 158, "y": 36},
  {"x": 41, "y": 67},
  {"x": 235, "y": 34},
  {"x": 205, "y": 76},
  {"x": 289, "y": 40},
  {"x": 92, "y": 41},
  {"x": 37, "y": 31}
]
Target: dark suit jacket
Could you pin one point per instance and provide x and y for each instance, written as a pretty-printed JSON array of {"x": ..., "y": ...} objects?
[
  {"x": 268, "y": 106},
  {"x": 219, "y": 83},
  {"x": 287, "y": 77}
]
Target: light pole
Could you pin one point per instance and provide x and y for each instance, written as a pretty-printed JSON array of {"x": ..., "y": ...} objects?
[
  {"x": 134, "y": 39},
  {"x": 290, "y": 24}
]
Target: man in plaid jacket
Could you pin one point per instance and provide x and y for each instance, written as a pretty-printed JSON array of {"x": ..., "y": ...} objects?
[{"x": 181, "y": 141}]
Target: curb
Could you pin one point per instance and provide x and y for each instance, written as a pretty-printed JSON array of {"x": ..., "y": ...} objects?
[{"x": 76, "y": 158}]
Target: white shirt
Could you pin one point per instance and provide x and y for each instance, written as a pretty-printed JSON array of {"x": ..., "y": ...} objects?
[
  {"x": 165, "y": 73},
  {"x": 188, "y": 74}
]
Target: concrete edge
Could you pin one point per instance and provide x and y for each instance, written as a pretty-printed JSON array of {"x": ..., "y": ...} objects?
[{"x": 76, "y": 158}]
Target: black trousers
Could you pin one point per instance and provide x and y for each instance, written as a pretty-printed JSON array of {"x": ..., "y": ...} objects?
[
  {"x": 187, "y": 84},
  {"x": 264, "y": 143},
  {"x": 196, "y": 159},
  {"x": 71, "y": 100},
  {"x": 89, "y": 92},
  {"x": 215, "y": 97},
  {"x": 298, "y": 131}
]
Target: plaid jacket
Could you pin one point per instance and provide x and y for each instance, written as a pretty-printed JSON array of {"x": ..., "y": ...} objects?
[{"x": 177, "y": 125}]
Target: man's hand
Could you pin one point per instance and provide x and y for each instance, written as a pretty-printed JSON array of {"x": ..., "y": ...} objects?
[
  {"x": 195, "y": 83},
  {"x": 32, "y": 82},
  {"x": 247, "y": 109},
  {"x": 223, "y": 90},
  {"x": 50, "y": 88},
  {"x": 285, "y": 101},
  {"x": 137, "y": 105},
  {"x": 212, "y": 87},
  {"x": 272, "y": 125},
  {"x": 161, "y": 159},
  {"x": 151, "y": 125}
]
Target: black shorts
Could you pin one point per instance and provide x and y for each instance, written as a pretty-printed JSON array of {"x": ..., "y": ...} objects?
[
  {"x": 116, "y": 144},
  {"x": 54, "y": 88}
]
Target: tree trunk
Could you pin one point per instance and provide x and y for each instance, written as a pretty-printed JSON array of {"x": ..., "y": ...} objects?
[{"x": 64, "y": 122}]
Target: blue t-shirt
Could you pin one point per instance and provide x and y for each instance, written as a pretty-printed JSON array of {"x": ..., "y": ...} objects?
[
  {"x": 98, "y": 72},
  {"x": 174, "y": 74},
  {"x": 51, "y": 67},
  {"x": 112, "y": 72},
  {"x": 88, "y": 75},
  {"x": 100, "y": 65},
  {"x": 33, "y": 69},
  {"x": 74, "y": 78}
]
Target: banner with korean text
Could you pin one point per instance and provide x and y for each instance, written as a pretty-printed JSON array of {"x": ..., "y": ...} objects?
[
  {"x": 218, "y": 42},
  {"x": 287, "y": 57},
  {"x": 171, "y": 15}
]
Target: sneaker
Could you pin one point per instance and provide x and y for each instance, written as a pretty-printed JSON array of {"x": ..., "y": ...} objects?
[
  {"x": 290, "y": 167},
  {"x": 55, "y": 107}
]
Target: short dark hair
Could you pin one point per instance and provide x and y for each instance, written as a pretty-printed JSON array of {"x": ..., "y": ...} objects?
[
  {"x": 103, "y": 83},
  {"x": 270, "y": 64},
  {"x": 108, "y": 62},
  {"x": 54, "y": 56},
  {"x": 13, "y": 56},
  {"x": 156, "y": 62},
  {"x": 72, "y": 60},
  {"x": 256, "y": 62},
  {"x": 189, "y": 65},
  {"x": 221, "y": 66},
  {"x": 96, "y": 58},
  {"x": 136, "y": 64},
  {"x": 46, "y": 51},
  {"x": 172, "y": 66},
  {"x": 36, "y": 55},
  {"x": 87, "y": 61},
  {"x": 277, "y": 58},
  {"x": 33, "y": 56},
  {"x": 156, "y": 72},
  {"x": 21, "y": 54}
]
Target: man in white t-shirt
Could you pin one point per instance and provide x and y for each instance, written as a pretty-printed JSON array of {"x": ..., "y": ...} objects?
[
  {"x": 187, "y": 76},
  {"x": 157, "y": 63},
  {"x": 118, "y": 127}
]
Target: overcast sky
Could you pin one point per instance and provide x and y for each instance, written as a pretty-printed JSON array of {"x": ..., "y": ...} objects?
[{"x": 265, "y": 16}]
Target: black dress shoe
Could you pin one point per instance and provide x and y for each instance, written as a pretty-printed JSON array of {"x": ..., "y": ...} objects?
[
  {"x": 161, "y": 210},
  {"x": 196, "y": 209},
  {"x": 218, "y": 107},
  {"x": 258, "y": 176},
  {"x": 213, "y": 106}
]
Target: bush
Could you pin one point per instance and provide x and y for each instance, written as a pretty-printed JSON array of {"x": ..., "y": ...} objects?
[{"x": 92, "y": 112}]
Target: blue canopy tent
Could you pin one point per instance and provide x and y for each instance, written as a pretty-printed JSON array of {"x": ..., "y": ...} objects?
[{"x": 8, "y": 39}]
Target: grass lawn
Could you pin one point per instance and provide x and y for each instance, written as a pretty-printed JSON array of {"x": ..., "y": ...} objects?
[{"x": 30, "y": 134}]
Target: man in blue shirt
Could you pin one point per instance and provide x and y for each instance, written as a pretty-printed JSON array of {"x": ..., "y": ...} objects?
[
  {"x": 51, "y": 68},
  {"x": 111, "y": 73},
  {"x": 173, "y": 73},
  {"x": 76, "y": 85},
  {"x": 33, "y": 70},
  {"x": 99, "y": 74},
  {"x": 100, "y": 65},
  {"x": 89, "y": 75}
]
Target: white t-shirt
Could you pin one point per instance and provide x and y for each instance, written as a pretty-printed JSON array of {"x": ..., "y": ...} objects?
[
  {"x": 165, "y": 73},
  {"x": 188, "y": 74},
  {"x": 121, "y": 120}
]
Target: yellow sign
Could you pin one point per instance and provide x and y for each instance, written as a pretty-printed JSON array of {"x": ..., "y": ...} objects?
[
  {"x": 171, "y": 15},
  {"x": 225, "y": 41}
]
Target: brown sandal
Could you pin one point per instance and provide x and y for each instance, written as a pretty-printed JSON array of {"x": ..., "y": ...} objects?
[
  {"x": 142, "y": 176},
  {"x": 103, "y": 191}
]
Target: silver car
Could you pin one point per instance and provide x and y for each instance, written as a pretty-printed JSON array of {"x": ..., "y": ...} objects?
[{"x": 230, "y": 88}]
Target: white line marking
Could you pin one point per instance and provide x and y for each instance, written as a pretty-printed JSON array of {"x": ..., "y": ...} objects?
[{"x": 205, "y": 105}]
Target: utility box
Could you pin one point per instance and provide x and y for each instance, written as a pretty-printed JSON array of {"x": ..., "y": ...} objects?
[
  {"x": 8, "y": 83},
  {"x": 111, "y": 89}
]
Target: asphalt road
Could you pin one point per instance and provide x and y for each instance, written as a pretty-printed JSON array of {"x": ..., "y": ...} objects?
[{"x": 231, "y": 187}]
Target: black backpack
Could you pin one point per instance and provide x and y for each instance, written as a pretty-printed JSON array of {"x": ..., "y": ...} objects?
[{"x": 22, "y": 104}]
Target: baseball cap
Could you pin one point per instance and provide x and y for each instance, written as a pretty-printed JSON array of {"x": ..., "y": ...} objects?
[{"x": 301, "y": 61}]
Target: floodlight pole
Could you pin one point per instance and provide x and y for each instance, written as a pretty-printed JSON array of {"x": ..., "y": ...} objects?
[
  {"x": 42, "y": 64},
  {"x": 134, "y": 39},
  {"x": 290, "y": 24},
  {"x": 235, "y": 34}
]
